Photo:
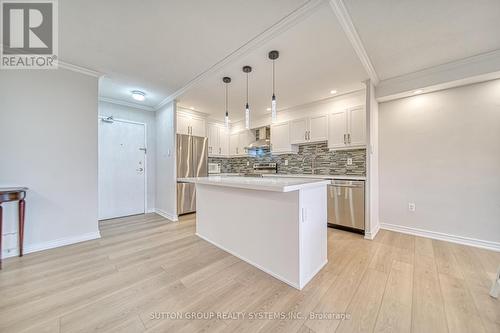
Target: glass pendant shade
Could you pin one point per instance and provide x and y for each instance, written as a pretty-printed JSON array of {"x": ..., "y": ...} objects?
[
  {"x": 247, "y": 117},
  {"x": 273, "y": 109}
]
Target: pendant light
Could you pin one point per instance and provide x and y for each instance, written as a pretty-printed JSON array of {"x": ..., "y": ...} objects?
[
  {"x": 273, "y": 55},
  {"x": 247, "y": 69},
  {"x": 226, "y": 80}
]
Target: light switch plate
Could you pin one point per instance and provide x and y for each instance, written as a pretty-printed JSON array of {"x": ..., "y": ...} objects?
[
  {"x": 349, "y": 161},
  {"x": 411, "y": 206},
  {"x": 286, "y": 162}
]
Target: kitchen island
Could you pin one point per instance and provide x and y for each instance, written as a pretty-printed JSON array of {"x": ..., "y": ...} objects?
[{"x": 276, "y": 224}]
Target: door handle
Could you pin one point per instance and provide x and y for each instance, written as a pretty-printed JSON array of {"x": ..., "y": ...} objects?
[{"x": 139, "y": 170}]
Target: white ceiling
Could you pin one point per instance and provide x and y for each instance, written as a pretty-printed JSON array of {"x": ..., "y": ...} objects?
[
  {"x": 159, "y": 46},
  {"x": 315, "y": 57},
  {"x": 405, "y": 36}
]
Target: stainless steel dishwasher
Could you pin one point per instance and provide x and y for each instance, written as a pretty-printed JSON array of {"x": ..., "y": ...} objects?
[{"x": 346, "y": 205}]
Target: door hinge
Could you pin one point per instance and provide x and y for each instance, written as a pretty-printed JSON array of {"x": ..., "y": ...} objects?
[{"x": 143, "y": 149}]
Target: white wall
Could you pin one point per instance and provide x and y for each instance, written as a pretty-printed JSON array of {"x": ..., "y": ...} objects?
[
  {"x": 149, "y": 118},
  {"x": 48, "y": 124},
  {"x": 441, "y": 151},
  {"x": 166, "y": 180}
]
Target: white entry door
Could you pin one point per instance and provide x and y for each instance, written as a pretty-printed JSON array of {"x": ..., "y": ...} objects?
[{"x": 122, "y": 175}]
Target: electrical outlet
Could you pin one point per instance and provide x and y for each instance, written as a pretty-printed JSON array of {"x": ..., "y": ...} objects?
[
  {"x": 248, "y": 163},
  {"x": 349, "y": 161},
  {"x": 286, "y": 162},
  {"x": 411, "y": 206}
]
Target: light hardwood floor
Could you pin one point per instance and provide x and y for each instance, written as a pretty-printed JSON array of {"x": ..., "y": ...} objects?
[{"x": 144, "y": 265}]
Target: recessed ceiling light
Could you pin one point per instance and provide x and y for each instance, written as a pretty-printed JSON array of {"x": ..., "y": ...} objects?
[
  {"x": 191, "y": 107},
  {"x": 138, "y": 95},
  {"x": 268, "y": 109},
  {"x": 418, "y": 91},
  {"x": 333, "y": 92}
]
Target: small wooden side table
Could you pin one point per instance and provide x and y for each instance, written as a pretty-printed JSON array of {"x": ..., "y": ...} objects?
[{"x": 13, "y": 194}]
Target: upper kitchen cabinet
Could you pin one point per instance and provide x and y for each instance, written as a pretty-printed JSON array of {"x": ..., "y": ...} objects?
[
  {"x": 311, "y": 129},
  {"x": 218, "y": 141},
  {"x": 239, "y": 141},
  {"x": 347, "y": 128},
  {"x": 281, "y": 138},
  {"x": 191, "y": 124}
]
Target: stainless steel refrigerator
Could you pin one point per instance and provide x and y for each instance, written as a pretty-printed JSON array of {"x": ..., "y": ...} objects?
[{"x": 192, "y": 161}]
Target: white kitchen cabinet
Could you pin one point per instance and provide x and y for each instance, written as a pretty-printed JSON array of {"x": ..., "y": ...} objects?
[
  {"x": 234, "y": 140},
  {"x": 298, "y": 130},
  {"x": 347, "y": 128},
  {"x": 239, "y": 141},
  {"x": 198, "y": 127},
  {"x": 223, "y": 142},
  {"x": 217, "y": 140},
  {"x": 311, "y": 129},
  {"x": 318, "y": 128},
  {"x": 190, "y": 125},
  {"x": 357, "y": 127},
  {"x": 280, "y": 139},
  {"x": 213, "y": 132},
  {"x": 183, "y": 125}
]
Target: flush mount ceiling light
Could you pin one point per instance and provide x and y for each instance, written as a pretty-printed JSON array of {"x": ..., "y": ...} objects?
[
  {"x": 226, "y": 80},
  {"x": 273, "y": 55},
  {"x": 247, "y": 69},
  {"x": 138, "y": 95},
  {"x": 333, "y": 92}
]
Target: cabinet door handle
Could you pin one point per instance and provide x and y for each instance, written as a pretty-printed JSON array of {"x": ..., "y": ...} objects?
[
  {"x": 305, "y": 135},
  {"x": 219, "y": 150},
  {"x": 349, "y": 137},
  {"x": 345, "y": 139},
  {"x": 308, "y": 135}
]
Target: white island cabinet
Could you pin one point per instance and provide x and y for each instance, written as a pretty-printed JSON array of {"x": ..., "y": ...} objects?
[{"x": 278, "y": 225}]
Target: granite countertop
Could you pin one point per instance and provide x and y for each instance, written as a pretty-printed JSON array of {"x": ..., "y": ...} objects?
[
  {"x": 346, "y": 177},
  {"x": 277, "y": 184},
  {"x": 300, "y": 175}
]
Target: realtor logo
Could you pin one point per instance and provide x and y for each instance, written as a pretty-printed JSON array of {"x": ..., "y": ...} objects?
[{"x": 29, "y": 34}]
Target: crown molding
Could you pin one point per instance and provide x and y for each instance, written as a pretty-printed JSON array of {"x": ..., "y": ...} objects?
[
  {"x": 72, "y": 67},
  {"x": 184, "y": 110},
  {"x": 479, "y": 68},
  {"x": 345, "y": 21},
  {"x": 282, "y": 25},
  {"x": 125, "y": 103},
  {"x": 79, "y": 69}
]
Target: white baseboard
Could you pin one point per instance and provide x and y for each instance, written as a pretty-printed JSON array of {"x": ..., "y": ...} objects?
[
  {"x": 151, "y": 210},
  {"x": 488, "y": 245},
  {"x": 372, "y": 233},
  {"x": 171, "y": 217},
  {"x": 29, "y": 248},
  {"x": 296, "y": 286}
]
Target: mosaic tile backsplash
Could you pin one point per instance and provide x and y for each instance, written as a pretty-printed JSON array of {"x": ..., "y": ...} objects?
[{"x": 311, "y": 156}]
